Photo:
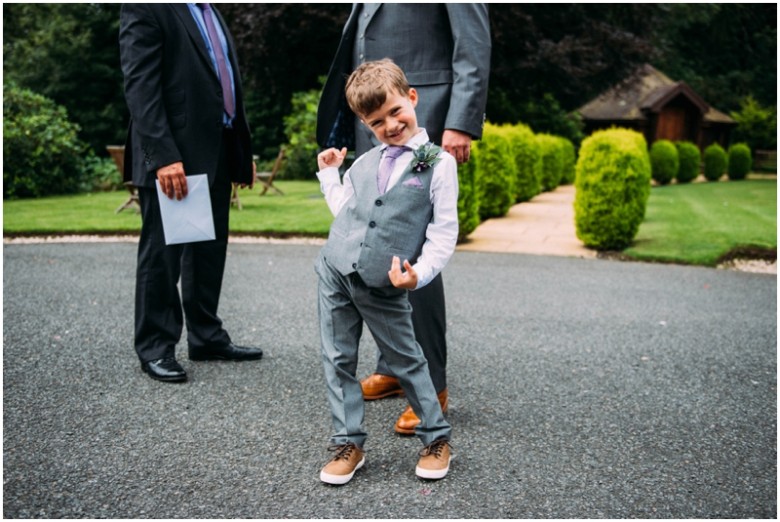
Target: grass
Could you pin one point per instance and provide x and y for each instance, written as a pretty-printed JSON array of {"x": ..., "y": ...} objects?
[
  {"x": 699, "y": 223},
  {"x": 301, "y": 211},
  {"x": 695, "y": 223}
]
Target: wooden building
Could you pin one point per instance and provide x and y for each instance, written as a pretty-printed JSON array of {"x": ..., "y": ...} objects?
[{"x": 650, "y": 102}]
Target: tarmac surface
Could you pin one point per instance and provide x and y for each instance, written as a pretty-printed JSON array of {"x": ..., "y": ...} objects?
[{"x": 579, "y": 388}]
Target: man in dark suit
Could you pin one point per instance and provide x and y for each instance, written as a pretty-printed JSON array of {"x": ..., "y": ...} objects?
[
  {"x": 444, "y": 49},
  {"x": 183, "y": 90}
]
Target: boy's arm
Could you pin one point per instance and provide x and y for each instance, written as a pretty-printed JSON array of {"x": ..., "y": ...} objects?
[
  {"x": 442, "y": 232},
  {"x": 336, "y": 191}
]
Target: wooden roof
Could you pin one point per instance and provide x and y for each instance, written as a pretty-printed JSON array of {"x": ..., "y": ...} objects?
[{"x": 645, "y": 91}]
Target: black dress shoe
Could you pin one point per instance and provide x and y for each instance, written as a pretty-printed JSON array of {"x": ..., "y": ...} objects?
[
  {"x": 166, "y": 370},
  {"x": 230, "y": 352}
]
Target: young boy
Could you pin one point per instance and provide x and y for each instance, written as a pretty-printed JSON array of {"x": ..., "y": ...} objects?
[{"x": 397, "y": 202}]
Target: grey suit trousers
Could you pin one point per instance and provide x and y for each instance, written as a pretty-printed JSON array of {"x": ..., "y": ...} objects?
[{"x": 345, "y": 302}]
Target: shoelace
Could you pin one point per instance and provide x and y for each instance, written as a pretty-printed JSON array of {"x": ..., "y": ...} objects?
[
  {"x": 435, "y": 448},
  {"x": 344, "y": 450}
]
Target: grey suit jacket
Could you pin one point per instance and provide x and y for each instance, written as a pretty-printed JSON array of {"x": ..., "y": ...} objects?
[
  {"x": 444, "y": 49},
  {"x": 174, "y": 96}
]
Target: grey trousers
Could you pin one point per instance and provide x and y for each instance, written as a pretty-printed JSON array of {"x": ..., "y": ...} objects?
[{"x": 344, "y": 304}]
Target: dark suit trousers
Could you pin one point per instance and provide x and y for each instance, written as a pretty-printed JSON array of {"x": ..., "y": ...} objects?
[
  {"x": 158, "y": 308},
  {"x": 430, "y": 329}
]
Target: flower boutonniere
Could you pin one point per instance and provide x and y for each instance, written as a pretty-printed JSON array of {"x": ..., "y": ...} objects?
[{"x": 425, "y": 156}]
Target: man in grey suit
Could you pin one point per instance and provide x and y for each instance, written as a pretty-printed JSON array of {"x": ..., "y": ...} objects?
[
  {"x": 183, "y": 90},
  {"x": 444, "y": 49}
]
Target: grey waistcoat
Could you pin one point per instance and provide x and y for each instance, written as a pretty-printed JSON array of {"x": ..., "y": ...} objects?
[{"x": 371, "y": 228}]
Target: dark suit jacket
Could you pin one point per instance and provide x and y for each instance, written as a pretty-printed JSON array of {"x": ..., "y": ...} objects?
[
  {"x": 174, "y": 96},
  {"x": 444, "y": 50}
]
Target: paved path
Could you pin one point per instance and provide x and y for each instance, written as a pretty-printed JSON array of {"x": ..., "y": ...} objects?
[
  {"x": 544, "y": 225},
  {"x": 579, "y": 388}
]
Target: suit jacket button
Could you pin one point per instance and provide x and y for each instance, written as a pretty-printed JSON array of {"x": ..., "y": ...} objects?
[
  {"x": 372, "y": 224},
  {"x": 378, "y": 202},
  {"x": 354, "y": 265}
]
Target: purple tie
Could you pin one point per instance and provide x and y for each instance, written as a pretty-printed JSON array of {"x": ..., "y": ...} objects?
[
  {"x": 386, "y": 166},
  {"x": 216, "y": 45}
]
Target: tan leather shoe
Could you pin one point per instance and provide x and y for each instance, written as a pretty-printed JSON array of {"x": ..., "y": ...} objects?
[
  {"x": 434, "y": 460},
  {"x": 378, "y": 386},
  {"x": 347, "y": 460},
  {"x": 408, "y": 421}
]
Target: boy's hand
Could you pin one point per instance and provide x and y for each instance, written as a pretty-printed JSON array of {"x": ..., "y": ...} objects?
[
  {"x": 400, "y": 279},
  {"x": 331, "y": 158}
]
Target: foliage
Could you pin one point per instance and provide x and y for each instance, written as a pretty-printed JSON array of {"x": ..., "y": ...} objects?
[
  {"x": 283, "y": 49},
  {"x": 547, "y": 116},
  {"x": 756, "y": 125},
  {"x": 101, "y": 174},
  {"x": 715, "y": 162},
  {"x": 708, "y": 45},
  {"x": 739, "y": 161},
  {"x": 528, "y": 160},
  {"x": 612, "y": 187},
  {"x": 497, "y": 172},
  {"x": 41, "y": 151},
  {"x": 70, "y": 54},
  {"x": 300, "y": 127},
  {"x": 690, "y": 159},
  {"x": 468, "y": 196},
  {"x": 552, "y": 161},
  {"x": 664, "y": 160}
]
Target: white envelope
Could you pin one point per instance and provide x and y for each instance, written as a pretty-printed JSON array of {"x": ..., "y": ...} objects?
[{"x": 188, "y": 220}]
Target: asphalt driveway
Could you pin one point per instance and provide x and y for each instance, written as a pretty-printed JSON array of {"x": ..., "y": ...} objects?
[{"x": 579, "y": 389}]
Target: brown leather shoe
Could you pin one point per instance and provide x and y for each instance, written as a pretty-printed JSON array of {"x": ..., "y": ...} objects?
[
  {"x": 408, "y": 421},
  {"x": 378, "y": 386}
]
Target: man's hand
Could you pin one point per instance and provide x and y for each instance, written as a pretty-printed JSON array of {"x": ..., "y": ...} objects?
[
  {"x": 331, "y": 158},
  {"x": 172, "y": 180},
  {"x": 400, "y": 279},
  {"x": 458, "y": 144}
]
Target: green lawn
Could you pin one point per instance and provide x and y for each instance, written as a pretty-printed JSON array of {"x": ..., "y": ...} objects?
[
  {"x": 302, "y": 210},
  {"x": 694, "y": 223},
  {"x": 700, "y": 222}
]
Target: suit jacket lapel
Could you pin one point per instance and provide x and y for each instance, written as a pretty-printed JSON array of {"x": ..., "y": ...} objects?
[{"x": 183, "y": 12}]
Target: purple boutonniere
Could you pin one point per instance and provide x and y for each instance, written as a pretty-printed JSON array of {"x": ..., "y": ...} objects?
[{"x": 425, "y": 156}]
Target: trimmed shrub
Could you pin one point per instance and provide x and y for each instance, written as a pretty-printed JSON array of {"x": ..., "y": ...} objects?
[
  {"x": 528, "y": 161},
  {"x": 496, "y": 172},
  {"x": 715, "y": 162},
  {"x": 568, "y": 159},
  {"x": 468, "y": 196},
  {"x": 42, "y": 154},
  {"x": 690, "y": 158},
  {"x": 740, "y": 161},
  {"x": 612, "y": 187},
  {"x": 664, "y": 161},
  {"x": 552, "y": 161}
]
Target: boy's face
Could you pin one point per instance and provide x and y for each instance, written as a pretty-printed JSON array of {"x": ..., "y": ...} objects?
[{"x": 395, "y": 122}]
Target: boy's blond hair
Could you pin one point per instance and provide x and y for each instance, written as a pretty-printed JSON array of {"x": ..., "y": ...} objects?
[{"x": 369, "y": 84}]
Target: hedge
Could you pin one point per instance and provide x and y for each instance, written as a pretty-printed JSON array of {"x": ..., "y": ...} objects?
[
  {"x": 690, "y": 158},
  {"x": 468, "y": 195},
  {"x": 612, "y": 187},
  {"x": 664, "y": 161},
  {"x": 528, "y": 160},
  {"x": 740, "y": 161},
  {"x": 552, "y": 161},
  {"x": 496, "y": 171},
  {"x": 569, "y": 160},
  {"x": 715, "y": 162}
]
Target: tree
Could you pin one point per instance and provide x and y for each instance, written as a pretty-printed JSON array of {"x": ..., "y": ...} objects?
[{"x": 69, "y": 53}]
